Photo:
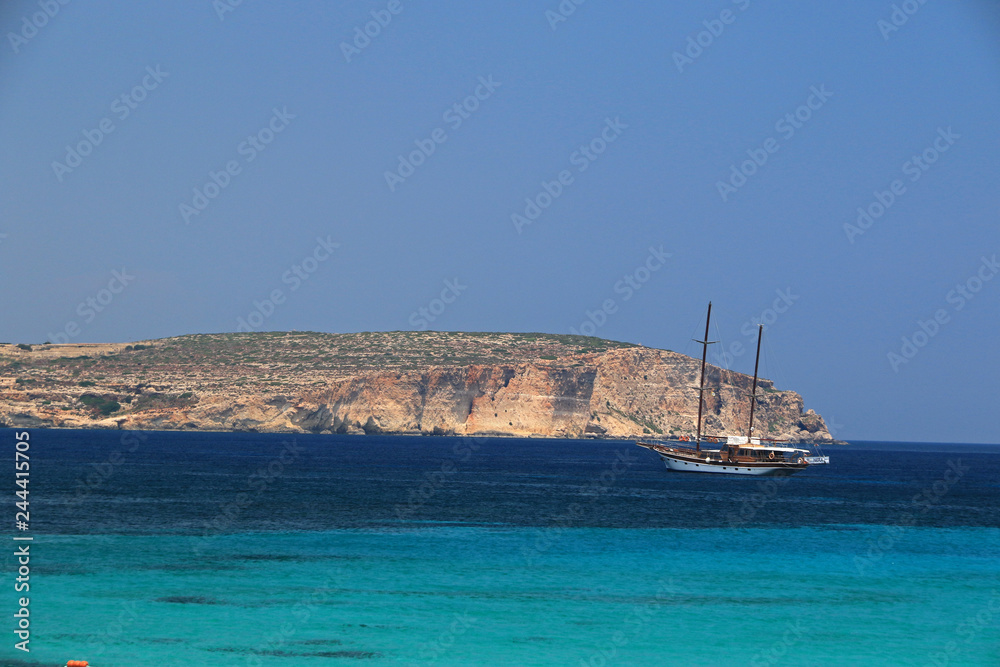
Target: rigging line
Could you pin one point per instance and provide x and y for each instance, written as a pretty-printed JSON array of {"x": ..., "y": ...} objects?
[
  {"x": 716, "y": 391},
  {"x": 726, "y": 378},
  {"x": 689, "y": 351},
  {"x": 774, "y": 367},
  {"x": 766, "y": 360},
  {"x": 689, "y": 346},
  {"x": 722, "y": 346},
  {"x": 726, "y": 373},
  {"x": 780, "y": 373},
  {"x": 771, "y": 363}
]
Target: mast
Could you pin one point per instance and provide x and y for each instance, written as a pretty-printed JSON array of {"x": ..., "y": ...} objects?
[
  {"x": 753, "y": 392},
  {"x": 701, "y": 387}
]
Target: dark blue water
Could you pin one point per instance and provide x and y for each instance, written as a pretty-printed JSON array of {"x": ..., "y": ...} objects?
[
  {"x": 89, "y": 481},
  {"x": 249, "y": 549}
]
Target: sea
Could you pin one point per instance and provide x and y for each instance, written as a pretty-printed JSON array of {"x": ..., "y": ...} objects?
[{"x": 246, "y": 549}]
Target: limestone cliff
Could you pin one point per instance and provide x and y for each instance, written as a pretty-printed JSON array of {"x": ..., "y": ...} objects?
[{"x": 395, "y": 382}]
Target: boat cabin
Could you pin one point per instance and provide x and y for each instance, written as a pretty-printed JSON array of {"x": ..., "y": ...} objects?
[{"x": 750, "y": 450}]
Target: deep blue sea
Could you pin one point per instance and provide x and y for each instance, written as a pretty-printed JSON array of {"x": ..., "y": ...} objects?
[{"x": 190, "y": 549}]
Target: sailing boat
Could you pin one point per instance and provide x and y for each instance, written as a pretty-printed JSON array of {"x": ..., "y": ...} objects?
[{"x": 738, "y": 454}]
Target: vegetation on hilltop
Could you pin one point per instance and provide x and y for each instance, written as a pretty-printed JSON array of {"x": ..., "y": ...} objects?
[
  {"x": 380, "y": 382},
  {"x": 170, "y": 372}
]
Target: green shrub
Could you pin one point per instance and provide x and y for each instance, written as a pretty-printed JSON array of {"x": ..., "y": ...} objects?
[{"x": 100, "y": 404}]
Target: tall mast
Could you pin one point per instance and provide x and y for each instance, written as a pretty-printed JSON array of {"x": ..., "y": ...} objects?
[
  {"x": 753, "y": 392},
  {"x": 701, "y": 387}
]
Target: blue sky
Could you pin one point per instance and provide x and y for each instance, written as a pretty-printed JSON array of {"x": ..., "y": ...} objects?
[{"x": 235, "y": 156}]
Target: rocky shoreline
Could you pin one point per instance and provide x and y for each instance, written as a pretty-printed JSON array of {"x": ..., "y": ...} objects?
[{"x": 429, "y": 383}]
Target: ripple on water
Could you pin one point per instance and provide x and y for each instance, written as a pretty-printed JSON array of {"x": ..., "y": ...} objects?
[
  {"x": 189, "y": 599},
  {"x": 344, "y": 653}
]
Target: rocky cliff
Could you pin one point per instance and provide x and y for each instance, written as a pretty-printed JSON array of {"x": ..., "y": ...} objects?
[{"x": 395, "y": 382}]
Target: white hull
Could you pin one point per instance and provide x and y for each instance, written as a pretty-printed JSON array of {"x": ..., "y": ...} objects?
[{"x": 681, "y": 465}]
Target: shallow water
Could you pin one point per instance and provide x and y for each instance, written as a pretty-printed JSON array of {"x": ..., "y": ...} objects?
[{"x": 248, "y": 549}]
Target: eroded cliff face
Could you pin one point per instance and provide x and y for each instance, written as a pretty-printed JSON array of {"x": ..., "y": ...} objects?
[{"x": 622, "y": 392}]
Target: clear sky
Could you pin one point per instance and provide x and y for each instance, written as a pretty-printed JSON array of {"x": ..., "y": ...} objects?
[{"x": 167, "y": 166}]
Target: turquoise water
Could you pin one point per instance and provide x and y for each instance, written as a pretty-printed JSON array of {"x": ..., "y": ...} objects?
[
  {"x": 467, "y": 595},
  {"x": 148, "y": 585}
]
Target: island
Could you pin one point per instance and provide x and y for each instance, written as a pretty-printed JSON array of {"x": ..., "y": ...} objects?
[{"x": 396, "y": 382}]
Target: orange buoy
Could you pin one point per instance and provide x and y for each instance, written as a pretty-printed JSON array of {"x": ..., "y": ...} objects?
[{"x": 77, "y": 663}]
